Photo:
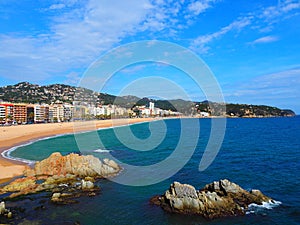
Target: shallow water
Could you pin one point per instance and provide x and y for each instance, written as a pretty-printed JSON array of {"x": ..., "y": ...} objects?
[{"x": 259, "y": 153}]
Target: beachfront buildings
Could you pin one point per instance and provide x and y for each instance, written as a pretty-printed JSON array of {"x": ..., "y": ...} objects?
[
  {"x": 6, "y": 112},
  {"x": 61, "y": 112},
  {"x": 41, "y": 113},
  {"x": 22, "y": 113},
  {"x": 152, "y": 111},
  {"x": 104, "y": 111}
]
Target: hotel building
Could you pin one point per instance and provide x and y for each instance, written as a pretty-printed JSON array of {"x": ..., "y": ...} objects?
[{"x": 20, "y": 113}]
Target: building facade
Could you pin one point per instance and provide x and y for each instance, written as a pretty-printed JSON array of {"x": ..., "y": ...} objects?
[{"x": 20, "y": 113}]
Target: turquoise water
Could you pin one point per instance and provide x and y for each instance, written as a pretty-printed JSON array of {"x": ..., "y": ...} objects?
[{"x": 256, "y": 153}]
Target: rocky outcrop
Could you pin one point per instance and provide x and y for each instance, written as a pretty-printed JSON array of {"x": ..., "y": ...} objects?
[
  {"x": 218, "y": 199},
  {"x": 79, "y": 165},
  {"x": 62, "y": 173}
]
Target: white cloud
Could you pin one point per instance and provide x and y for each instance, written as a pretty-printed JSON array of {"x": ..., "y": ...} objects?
[
  {"x": 200, "y": 43},
  {"x": 269, "y": 89},
  {"x": 273, "y": 14},
  {"x": 57, "y": 6},
  {"x": 198, "y": 7},
  {"x": 285, "y": 6},
  {"x": 262, "y": 20},
  {"x": 82, "y": 32},
  {"x": 75, "y": 39},
  {"x": 266, "y": 39},
  {"x": 279, "y": 85},
  {"x": 133, "y": 69},
  {"x": 72, "y": 78}
]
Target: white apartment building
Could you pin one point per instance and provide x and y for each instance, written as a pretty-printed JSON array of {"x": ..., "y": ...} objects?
[
  {"x": 68, "y": 112},
  {"x": 41, "y": 113},
  {"x": 2, "y": 112},
  {"x": 56, "y": 113}
]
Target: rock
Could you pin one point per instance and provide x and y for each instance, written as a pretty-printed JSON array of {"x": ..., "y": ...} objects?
[
  {"x": 2, "y": 208},
  {"x": 218, "y": 199},
  {"x": 20, "y": 184},
  {"x": 5, "y": 212},
  {"x": 74, "y": 164},
  {"x": 61, "y": 175},
  {"x": 87, "y": 184},
  {"x": 89, "y": 179},
  {"x": 224, "y": 187},
  {"x": 9, "y": 215},
  {"x": 111, "y": 163},
  {"x": 56, "y": 197}
]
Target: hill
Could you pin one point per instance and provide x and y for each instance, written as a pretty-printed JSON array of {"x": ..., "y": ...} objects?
[{"x": 32, "y": 93}]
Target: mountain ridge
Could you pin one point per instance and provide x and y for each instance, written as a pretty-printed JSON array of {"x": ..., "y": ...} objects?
[{"x": 33, "y": 93}]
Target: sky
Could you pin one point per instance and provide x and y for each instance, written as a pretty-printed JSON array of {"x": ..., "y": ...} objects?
[{"x": 251, "y": 47}]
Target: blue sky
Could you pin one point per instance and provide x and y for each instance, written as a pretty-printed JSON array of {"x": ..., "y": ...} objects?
[{"x": 252, "y": 47}]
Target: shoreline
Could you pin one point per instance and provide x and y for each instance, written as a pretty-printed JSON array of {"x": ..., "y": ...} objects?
[{"x": 14, "y": 136}]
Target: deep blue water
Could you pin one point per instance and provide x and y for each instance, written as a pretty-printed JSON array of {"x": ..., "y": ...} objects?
[{"x": 259, "y": 153}]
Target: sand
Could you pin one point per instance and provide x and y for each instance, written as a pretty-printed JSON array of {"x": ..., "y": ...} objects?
[{"x": 11, "y": 136}]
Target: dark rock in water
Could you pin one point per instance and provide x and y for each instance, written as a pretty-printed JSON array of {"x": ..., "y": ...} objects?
[{"x": 218, "y": 199}]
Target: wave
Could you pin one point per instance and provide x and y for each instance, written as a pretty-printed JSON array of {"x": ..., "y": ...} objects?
[
  {"x": 7, "y": 154},
  {"x": 254, "y": 208},
  {"x": 102, "y": 151}
]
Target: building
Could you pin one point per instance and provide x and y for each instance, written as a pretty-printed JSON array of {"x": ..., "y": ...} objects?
[
  {"x": 151, "y": 107},
  {"x": 41, "y": 113},
  {"x": 30, "y": 113},
  {"x": 67, "y": 112},
  {"x": 204, "y": 114},
  {"x": 2, "y": 113},
  {"x": 56, "y": 113},
  {"x": 6, "y": 112},
  {"x": 79, "y": 112},
  {"x": 20, "y": 113}
]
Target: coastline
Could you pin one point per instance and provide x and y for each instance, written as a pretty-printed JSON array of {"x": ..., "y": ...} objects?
[{"x": 12, "y": 136}]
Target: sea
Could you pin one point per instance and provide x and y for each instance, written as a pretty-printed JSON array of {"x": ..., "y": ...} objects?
[{"x": 256, "y": 153}]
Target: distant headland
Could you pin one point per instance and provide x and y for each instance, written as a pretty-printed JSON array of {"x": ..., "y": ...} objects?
[{"x": 56, "y": 103}]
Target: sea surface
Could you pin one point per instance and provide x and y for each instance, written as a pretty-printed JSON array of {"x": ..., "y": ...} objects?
[{"x": 259, "y": 153}]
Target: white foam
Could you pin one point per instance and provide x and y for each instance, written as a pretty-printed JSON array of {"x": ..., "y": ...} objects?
[
  {"x": 101, "y": 151},
  {"x": 7, "y": 153},
  {"x": 252, "y": 208}
]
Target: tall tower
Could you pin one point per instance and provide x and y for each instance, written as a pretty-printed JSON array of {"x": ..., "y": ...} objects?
[{"x": 151, "y": 107}]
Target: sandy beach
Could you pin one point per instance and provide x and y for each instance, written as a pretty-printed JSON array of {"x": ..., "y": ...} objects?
[{"x": 16, "y": 135}]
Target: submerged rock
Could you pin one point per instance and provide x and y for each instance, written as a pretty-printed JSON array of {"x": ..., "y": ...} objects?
[{"x": 218, "y": 199}]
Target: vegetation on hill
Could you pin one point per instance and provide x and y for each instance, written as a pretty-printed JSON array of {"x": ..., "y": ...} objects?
[{"x": 32, "y": 93}]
